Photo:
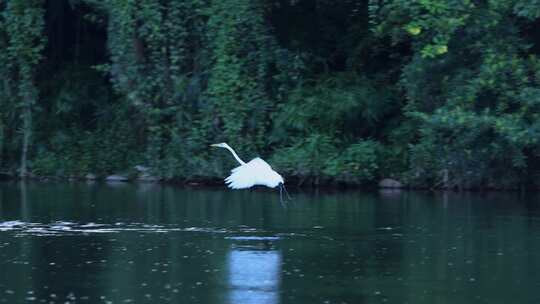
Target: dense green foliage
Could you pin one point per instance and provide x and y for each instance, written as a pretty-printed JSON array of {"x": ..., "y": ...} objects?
[
  {"x": 433, "y": 93},
  {"x": 472, "y": 86}
]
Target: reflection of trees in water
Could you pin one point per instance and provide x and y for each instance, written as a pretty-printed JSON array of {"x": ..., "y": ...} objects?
[
  {"x": 343, "y": 247},
  {"x": 457, "y": 247},
  {"x": 175, "y": 268},
  {"x": 70, "y": 266},
  {"x": 39, "y": 266},
  {"x": 24, "y": 200},
  {"x": 214, "y": 208}
]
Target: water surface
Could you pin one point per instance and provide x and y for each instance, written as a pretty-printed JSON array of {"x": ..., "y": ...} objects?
[{"x": 123, "y": 243}]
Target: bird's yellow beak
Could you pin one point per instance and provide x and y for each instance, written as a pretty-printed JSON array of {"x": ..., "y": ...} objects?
[{"x": 214, "y": 145}]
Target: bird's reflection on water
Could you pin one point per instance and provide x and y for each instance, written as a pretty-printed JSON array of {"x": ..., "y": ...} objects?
[{"x": 254, "y": 276}]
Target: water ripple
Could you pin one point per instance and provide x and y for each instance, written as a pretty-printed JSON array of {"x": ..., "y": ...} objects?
[{"x": 22, "y": 228}]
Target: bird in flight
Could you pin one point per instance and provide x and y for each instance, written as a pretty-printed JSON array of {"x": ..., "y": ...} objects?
[{"x": 254, "y": 172}]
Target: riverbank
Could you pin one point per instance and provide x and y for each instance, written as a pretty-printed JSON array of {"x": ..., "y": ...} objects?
[{"x": 292, "y": 182}]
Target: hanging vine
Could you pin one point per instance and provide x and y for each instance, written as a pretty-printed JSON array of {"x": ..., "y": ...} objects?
[{"x": 242, "y": 51}]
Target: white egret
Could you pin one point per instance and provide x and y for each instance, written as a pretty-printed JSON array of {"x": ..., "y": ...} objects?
[{"x": 254, "y": 172}]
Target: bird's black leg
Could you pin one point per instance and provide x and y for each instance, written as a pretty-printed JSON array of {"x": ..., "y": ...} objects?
[
  {"x": 281, "y": 196},
  {"x": 287, "y": 192}
]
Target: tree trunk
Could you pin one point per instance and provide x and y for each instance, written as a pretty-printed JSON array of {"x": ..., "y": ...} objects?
[
  {"x": 27, "y": 133},
  {"x": 2, "y": 136}
]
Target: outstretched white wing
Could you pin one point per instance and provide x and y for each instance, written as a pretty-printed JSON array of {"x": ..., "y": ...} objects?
[{"x": 253, "y": 173}]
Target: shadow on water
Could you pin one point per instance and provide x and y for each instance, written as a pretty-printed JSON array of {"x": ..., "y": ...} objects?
[{"x": 122, "y": 243}]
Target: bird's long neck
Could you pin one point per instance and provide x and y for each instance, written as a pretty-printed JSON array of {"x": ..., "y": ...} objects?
[{"x": 235, "y": 155}]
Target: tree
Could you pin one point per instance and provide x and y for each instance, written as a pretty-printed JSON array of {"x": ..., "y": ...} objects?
[
  {"x": 471, "y": 86},
  {"x": 21, "y": 27}
]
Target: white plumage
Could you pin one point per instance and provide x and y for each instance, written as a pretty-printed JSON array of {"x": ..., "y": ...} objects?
[{"x": 255, "y": 172}]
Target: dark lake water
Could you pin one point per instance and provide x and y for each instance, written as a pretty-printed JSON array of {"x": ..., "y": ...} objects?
[{"x": 99, "y": 243}]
